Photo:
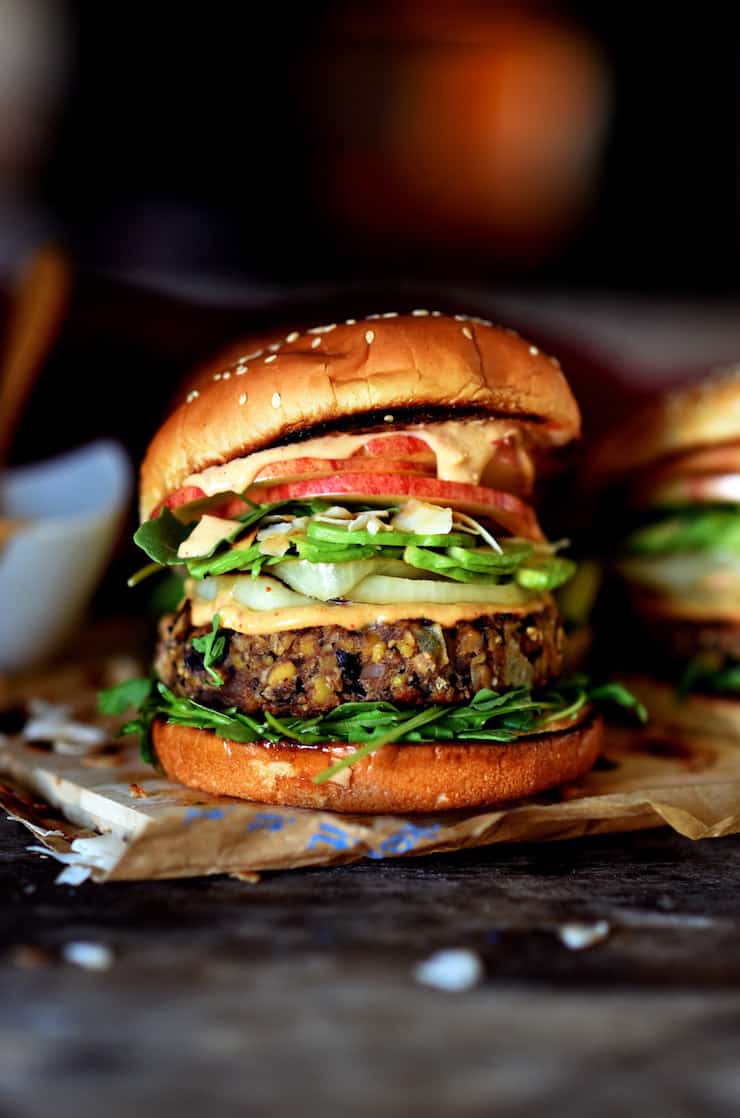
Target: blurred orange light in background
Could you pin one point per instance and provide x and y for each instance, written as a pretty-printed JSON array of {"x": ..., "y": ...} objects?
[{"x": 487, "y": 133}]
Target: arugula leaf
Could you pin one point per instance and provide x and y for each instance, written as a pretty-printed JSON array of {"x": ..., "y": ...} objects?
[
  {"x": 161, "y": 538},
  {"x": 616, "y": 694},
  {"x": 129, "y": 695},
  {"x": 213, "y": 647},
  {"x": 490, "y": 716},
  {"x": 236, "y": 559},
  {"x": 705, "y": 674}
]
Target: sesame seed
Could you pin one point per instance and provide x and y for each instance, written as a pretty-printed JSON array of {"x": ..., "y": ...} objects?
[
  {"x": 192, "y": 396},
  {"x": 533, "y": 350},
  {"x": 351, "y": 321},
  {"x": 323, "y": 329},
  {"x": 241, "y": 370},
  {"x": 420, "y": 313},
  {"x": 371, "y": 317},
  {"x": 481, "y": 321},
  {"x": 243, "y": 398},
  {"x": 316, "y": 343},
  {"x": 387, "y": 418},
  {"x": 276, "y": 401},
  {"x": 436, "y": 314},
  {"x": 369, "y": 336},
  {"x": 252, "y": 356},
  {"x": 461, "y": 318},
  {"x": 226, "y": 375},
  {"x": 274, "y": 347},
  {"x": 271, "y": 358},
  {"x": 217, "y": 376},
  {"x": 467, "y": 332},
  {"x": 390, "y": 314},
  {"x": 292, "y": 337},
  {"x": 554, "y": 361},
  {"x": 513, "y": 333}
]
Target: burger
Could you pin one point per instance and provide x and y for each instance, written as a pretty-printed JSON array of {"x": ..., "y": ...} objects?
[
  {"x": 670, "y": 479},
  {"x": 367, "y": 621}
]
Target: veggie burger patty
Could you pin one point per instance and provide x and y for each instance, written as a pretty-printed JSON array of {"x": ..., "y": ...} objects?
[{"x": 411, "y": 662}]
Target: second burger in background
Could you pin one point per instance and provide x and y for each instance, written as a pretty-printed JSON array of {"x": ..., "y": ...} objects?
[{"x": 670, "y": 481}]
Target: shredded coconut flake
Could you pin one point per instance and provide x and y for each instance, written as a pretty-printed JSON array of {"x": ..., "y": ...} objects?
[
  {"x": 455, "y": 970},
  {"x": 577, "y": 937},
  {"x": 423, "y": 518},
  {"x": 89, "y": 956}
]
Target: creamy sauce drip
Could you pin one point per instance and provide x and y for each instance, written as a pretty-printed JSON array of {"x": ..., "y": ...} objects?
[
  {"x": 463, "y": 449},
  {"x": 350, "y": 616}
]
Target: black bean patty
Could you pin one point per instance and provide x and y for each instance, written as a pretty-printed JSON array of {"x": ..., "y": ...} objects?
[{"x": 410, "y": 662}]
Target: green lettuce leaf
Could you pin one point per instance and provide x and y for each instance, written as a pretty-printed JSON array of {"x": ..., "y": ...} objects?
[
  {"x": 491, "y": 716},
  {"x": 160, "y": 538},
  {"x": 129, "y": 695}
]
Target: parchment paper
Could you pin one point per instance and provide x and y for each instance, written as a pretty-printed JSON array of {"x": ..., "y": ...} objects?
[{"x": 107, "y": 816}]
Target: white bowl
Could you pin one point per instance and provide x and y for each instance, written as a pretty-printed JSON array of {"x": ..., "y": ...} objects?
[{"x": 51, "y": 566}]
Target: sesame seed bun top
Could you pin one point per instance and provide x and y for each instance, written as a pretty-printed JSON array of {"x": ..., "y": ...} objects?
[
  {"x": 435, "y": 365},
  {"x": 704, "y": 413}
]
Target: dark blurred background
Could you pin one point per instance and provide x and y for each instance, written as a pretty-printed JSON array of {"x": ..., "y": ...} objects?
[
  {"x": 580, "y": 144},
  {"x": 214, "y": 171},
  {"x": 217, "y": 170}
]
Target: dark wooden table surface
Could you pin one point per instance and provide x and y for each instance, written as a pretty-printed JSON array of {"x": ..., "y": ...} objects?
[{"x": 296, "y": 995}]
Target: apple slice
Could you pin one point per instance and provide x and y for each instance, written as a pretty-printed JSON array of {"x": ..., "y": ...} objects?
[
  {"x": 302, "y": 468},
  {"x": 395, "y": 446},
  {"x": 180, "y": 497},
  {"x": 507, "y": 510}
]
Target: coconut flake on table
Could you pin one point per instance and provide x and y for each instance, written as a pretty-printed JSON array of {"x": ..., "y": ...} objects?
[
  {"x": 423, "y": 519},
  {"x": 87, "y": 857},
  {"x": 578, "y": 936},
  {"x": 52, "y": 722},
  {"x": 89, "y": 956},
  {"x": 454, "y": 970}
]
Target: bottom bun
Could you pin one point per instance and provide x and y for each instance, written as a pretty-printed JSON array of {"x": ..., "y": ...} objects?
[
  {"x": 398, "y": 778},
  {"x": 715, "y": 717}
]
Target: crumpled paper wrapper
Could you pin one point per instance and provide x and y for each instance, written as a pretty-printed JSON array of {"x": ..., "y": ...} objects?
[
  {"x": 104, "y": 814},
  {"x": 90, "y": 802}
]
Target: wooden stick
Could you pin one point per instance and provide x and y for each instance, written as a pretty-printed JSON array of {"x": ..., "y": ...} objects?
[{"x": 35, "y": 318}]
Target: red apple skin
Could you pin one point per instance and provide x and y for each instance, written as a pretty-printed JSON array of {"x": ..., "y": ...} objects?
[
  {"x": 513, "y": 514},
  {"x": 395, "y": 446},
  {"x": 305, "y": 468},
  {"x": 509, "y": 468},
  {"x": 180, "y": 497}
]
